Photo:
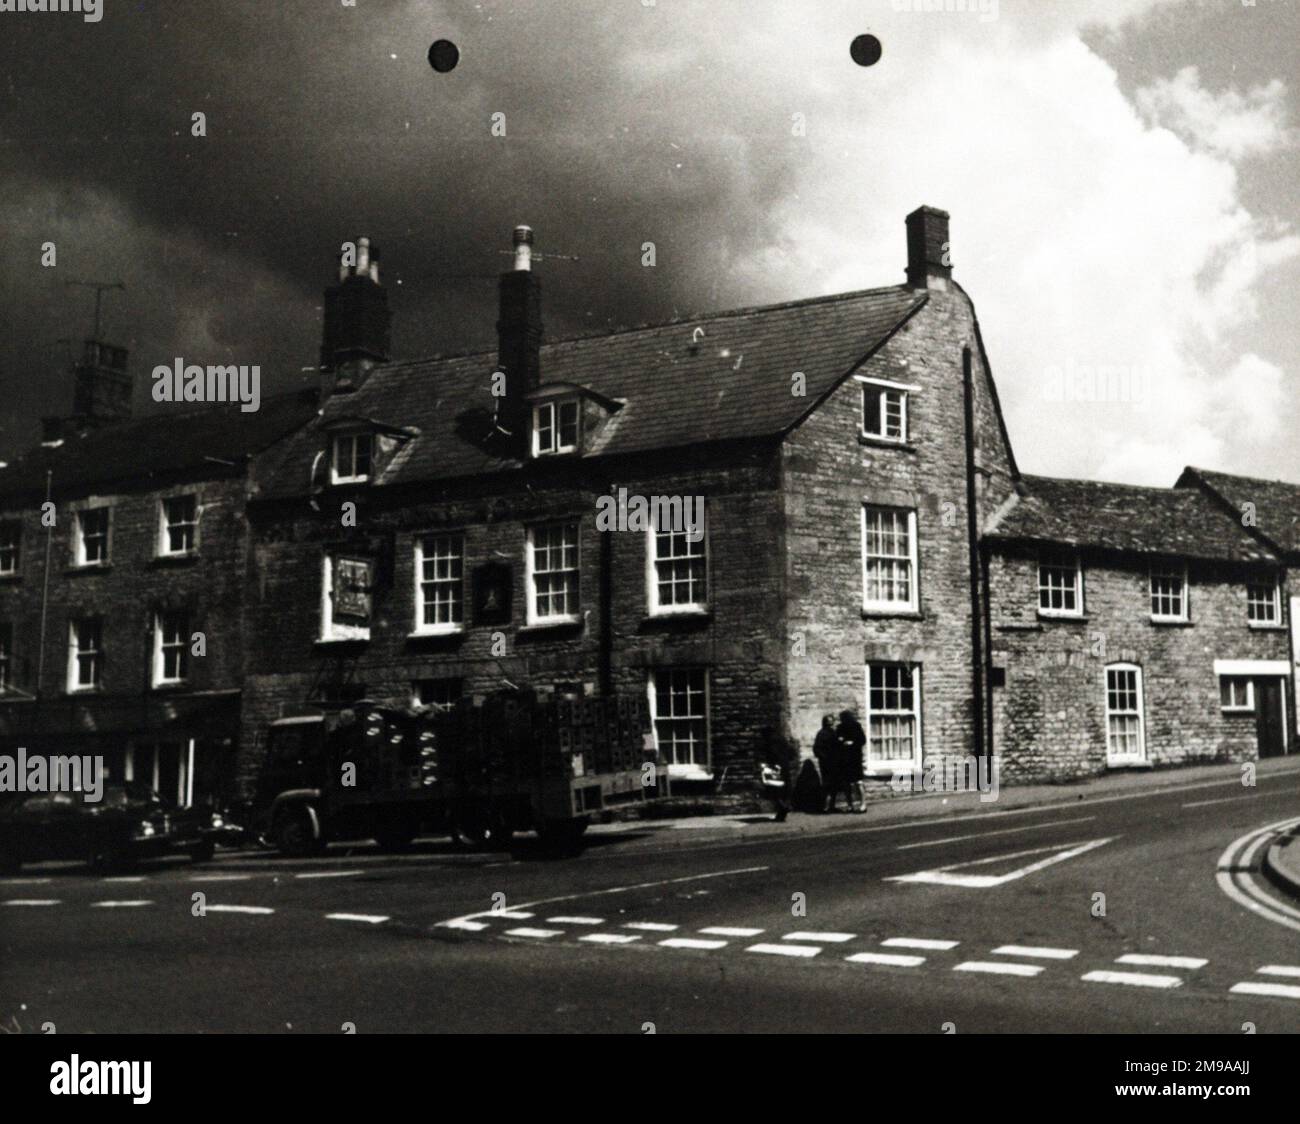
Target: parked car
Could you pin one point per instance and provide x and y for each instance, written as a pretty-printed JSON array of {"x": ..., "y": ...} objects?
[{"x": 131, "y": 822}]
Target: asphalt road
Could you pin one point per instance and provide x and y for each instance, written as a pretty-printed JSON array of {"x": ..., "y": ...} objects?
[{"x": 726, "y": 926}]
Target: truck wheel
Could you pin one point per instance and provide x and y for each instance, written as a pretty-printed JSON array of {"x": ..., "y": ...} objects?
[
  {"x": 481, "y": 829},
  {"x": 293, "y": 834}
]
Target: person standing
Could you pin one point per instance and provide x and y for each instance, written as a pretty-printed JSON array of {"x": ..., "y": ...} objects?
[
  {"x": 826, "y": 748},
  {"x": 852, "y": 740},
  {"x": 776, "y": 759}
]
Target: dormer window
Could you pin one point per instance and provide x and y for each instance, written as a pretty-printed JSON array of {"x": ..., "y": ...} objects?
[
  {"x": 350, "y": 458},
  {"x": 556, "y": 427}
]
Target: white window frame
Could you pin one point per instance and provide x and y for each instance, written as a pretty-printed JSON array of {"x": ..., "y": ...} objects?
[
  {"x": 1275, "y": 619},
  {"x": 1057, "y": 562},
  {"x": 1140, "y": 757},
  {"x": 890, "y": 767},
  {"x": 912, "y": 559},
  {"x": 161, "y": 645},
  {"x": 1165, "y": 573},
  {"x": 76, "y": 652},
  {"x": 881, "y": 388},
  {"x": 531, "y": 574},
  {"x": 80, "y": 536},
  {"x": 329, "y": 628},
  {"x": 11, "y": 550},
  {"x": 352, "y": 437},
  {"x": 1231, "y": 707},
  {"x": 653, "y": 561},
  {"x": 685, "y": 770},
  {"x": 439, "y": 628},
  {"x": 165, "y": 525},
  {"x": 552, "y": 410}
]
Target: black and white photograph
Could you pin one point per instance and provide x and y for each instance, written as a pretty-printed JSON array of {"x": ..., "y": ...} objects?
[{"x": 676, "y": 518}]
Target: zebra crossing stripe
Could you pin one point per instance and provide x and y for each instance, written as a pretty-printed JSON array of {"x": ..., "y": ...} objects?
[
  {"x": 892, "y": 959},
  {"x": 1132, "y": 979}
]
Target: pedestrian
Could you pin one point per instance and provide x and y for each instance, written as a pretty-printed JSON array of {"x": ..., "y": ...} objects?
[
  {"x": 852, "y": 739},
  {"x": 776, "y": 760},
  {"x": 826, "y": 748}
]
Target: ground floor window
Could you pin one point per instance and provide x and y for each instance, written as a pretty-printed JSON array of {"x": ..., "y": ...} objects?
[
  {"x": 166, "y": 767},
  {"x": 1236, "y": 693},
  {"x": 1125, "y": 742},
  {"x": 893, "y": 716},
  {"x": 680, "y": 713}
]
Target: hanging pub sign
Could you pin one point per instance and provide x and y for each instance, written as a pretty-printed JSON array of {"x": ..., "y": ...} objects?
[
  {"x": 353, "y": 581},
  {"x": 492, "y": 588}
]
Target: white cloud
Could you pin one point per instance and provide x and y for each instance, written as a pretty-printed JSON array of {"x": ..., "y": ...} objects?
[{"x": 1229, "y": 123}]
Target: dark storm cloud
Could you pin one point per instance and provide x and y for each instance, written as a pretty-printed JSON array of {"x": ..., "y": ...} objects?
[{"x": 326, "y": 121}]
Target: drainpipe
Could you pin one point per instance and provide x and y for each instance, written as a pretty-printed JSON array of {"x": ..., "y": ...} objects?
[
  {"x": 45, "y": 589},
  {"x": 973, "y": 554},
  {"x": 606, "y": 656}
]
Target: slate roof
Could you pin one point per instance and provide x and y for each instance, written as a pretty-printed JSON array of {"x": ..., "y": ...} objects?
[
  {"x": 1180, "y": 522},
  {"x": 735, "y": 384},
  {"x": 157, "y": 446},
  {"x": 1277, "y": 503}
]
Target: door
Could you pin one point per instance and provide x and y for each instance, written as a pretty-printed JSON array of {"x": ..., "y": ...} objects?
[{"x": 1270, "y": 718}]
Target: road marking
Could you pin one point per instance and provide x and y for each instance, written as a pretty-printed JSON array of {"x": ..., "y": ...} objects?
[
  {"x": 1277, "y": 970},
  {"x": 691, "y": 942},
  {"x": 785, "y": 949},
  {"x": 541, "y": 934},
  {"x": 23, "y": 881},
  {"x": 1133, "y": 979},
  {"x": 826, "y": 938},
  {"x": 369, "y": 918},
  {"x": 509, "y": 914},
  {"x": 119, "y": 905},
  {"x": 258, "y": 909},
  {"x": 575, "y": 921},
  {"x": 1035, "y": 952},
  {"x": 125, "y": 878},
  {"x": 1242, "y": 888},
  {"x": 919, "y": 942},
  {"x": 609, "y": 938},
  {"x": 330, "y": 874},
  {"x": 462, "y": 923},
  {"x": 32, "y": 901},
  {"x": 896, "y": 959},
  {"x": 988, "y": 834},
  {"x": 943, "y": 876},
  {"x": 998, "y": 969},
  {"x": 651, "y": 926},
  {"x": 1277, "y": 991},
  {"x": 729, "y": 931},
  {"x": 1146, "y": 961},
  {"x": 221, "y": 878},
  {"x": 1221, "y": 800}
]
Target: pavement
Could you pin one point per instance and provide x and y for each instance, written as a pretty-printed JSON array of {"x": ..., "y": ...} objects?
[{"x": 1136, "y": 903}]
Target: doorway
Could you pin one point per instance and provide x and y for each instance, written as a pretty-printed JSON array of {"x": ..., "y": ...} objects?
[{"x": 1270, "y": 717}]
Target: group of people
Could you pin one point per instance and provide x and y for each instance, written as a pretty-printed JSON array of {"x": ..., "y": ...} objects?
[{"x": 838, "y": 750}]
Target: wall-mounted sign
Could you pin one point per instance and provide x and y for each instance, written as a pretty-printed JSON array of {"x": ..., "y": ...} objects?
[
  {"x": 353, "y": 581},
  {"x": 493, "y": 583}
]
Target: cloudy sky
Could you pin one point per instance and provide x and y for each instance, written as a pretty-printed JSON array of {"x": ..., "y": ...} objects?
[{"x": 1120, "y": 173}]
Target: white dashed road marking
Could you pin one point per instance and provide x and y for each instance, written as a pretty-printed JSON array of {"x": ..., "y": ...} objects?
[
  {"x": 221, "y": 878},
  {"x": 330, "y": 874},
  {"x": 462, "y": 923},
  {"x": 119, "y": 905},
  {"x": 999, "y": 969},
  {"x": 125, "y": 878},
  {"x": 729, "y": 931},
  {"x": 691, "y": 942},
  {"x": 1145, "y": 961},
  {"x": 824, "y": 938},
  {"x": 786, "y": 949},
  {"x": 1277, "y": 991},
  {"x": 1034, "y": 952},
  {"x": 540, "y": 934},
  {"x": 1133, "y": 979},
  {"x": 610, "y": 938},
  {"x": 511, "y": 914},
  {"x": 371, "y": 918},
  {"x": 32, "y": 901},
  {"x": 575, "y": 921},
  {"x": 23, "y": 881},
  {"x": 1278, "y": 970},
  {"x": 651, "y": 926},
  {"x": 257, "y": 909},
  {"x": 894, "y": 959},
  {"x": 919, "y": 942}
]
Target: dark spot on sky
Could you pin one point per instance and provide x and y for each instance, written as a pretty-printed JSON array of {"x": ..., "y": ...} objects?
[
  {"x": 444, "y": 55},
  {"x": 865, "y": 50}
]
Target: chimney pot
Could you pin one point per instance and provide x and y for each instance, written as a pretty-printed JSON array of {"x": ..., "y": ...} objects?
[
  {"x": 929, "y": 258},
  {"x": 523, "y": 240}
]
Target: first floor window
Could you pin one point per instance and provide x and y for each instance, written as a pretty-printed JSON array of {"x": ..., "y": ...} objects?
[
  {"x": 87, "y": 663},
  {"x": 884, "y": 412},
  {"x": 92, "y": 536},
  {"x": 1060, "y": 586},
  {"x": 679, "y": 578},
  {"x": 1263, "y": 603},
  {"x": 180, "y": 523},
  {"x": 171, "y": 648},
  {"x": 441, "y": 694},
  {"x": 679, "y": 709},
  {"x": 439, "y": 563},
  {"x": 10, "y": 538},
  {"x": 893, "y": 715},
  {"x": 1236, "y": 693},
  {"x": 553, "y": 572},
  {"x": 1169, "y": 594},
  {"x": 1124, "y": 736},
  {"x": 888, "y": 558}
]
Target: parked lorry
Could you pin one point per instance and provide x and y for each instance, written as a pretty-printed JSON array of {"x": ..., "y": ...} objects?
[{"x": 479, "y": 771}]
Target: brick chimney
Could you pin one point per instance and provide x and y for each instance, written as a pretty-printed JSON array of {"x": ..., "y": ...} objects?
[
  {"x": 519, "y": 339},
  {"x": 929, "y": 259},
  {"x": 356, "y": 333}
]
